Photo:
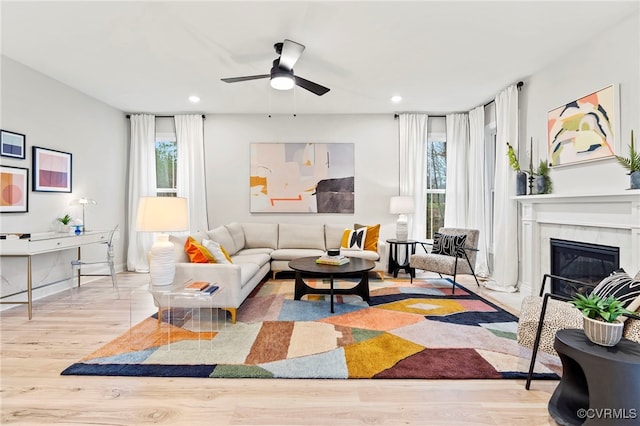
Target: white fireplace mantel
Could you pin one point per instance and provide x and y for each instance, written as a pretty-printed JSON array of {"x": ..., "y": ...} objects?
[{"x": 609, "y": 219}]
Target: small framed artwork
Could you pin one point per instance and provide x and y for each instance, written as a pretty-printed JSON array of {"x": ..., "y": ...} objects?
[
  {"x": 14, "y": 189},
  {"x": 12, "y": 144},
  {"x": 51, "y": 170},
  {"x": 585, "y": 129}
]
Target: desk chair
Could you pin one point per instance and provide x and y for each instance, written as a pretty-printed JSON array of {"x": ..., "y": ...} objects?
[{"x": 76, "y": 265}]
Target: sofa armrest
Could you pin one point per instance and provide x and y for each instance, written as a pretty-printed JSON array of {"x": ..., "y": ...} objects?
[{"x": 382, "y": 252}]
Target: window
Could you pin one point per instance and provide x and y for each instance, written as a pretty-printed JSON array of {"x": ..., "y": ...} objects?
[
  {"x": 166, "y": 159},
  {"x": 436, "y": 184}
]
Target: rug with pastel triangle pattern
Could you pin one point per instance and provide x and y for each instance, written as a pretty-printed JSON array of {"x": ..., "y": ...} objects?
[{"x": 417, "y": 331}]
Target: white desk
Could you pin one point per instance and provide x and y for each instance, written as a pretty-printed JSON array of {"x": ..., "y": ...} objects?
[{"x": 47, "y": 242}]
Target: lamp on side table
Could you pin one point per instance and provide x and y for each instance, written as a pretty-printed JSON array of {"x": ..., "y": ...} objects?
[
  {"x": 402, "y": 205},
  {"x": 163, "y": 215}
]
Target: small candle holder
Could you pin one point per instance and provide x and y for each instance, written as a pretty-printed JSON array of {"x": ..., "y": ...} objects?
[
  {"x": 531, "y": 179},
  {"x": 78, "y": 229}
]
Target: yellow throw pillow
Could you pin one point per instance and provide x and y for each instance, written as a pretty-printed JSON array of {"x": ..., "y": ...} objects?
[
  {"x": 218, "y": 251},
  {"x": 197, "y": 252},
  {"x": 354, "y": 239},
  {"x": 373, "y": 233}
]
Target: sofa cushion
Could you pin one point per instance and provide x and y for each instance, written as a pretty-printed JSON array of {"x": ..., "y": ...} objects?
[
  {"x": 219, "y": 253},
  {"x": 373, "y": 233},
  {"x": 259, "y": 259},
  {"x": 251, "y": 251},
  {"x": 292, "y": 236},
  {"x": 237, "y": 234},
  {"x": 179, "y": 254},
  {"x": 260, "y": 235},
  {"x": 622, "y": 287},
  {"x": 222, "y": 236},
  {"x": 197, "y": 252},
  {"x": 333, "y": 235},
  {"x": 361, "y": 254},
  {"x": 290, "y": 254}
]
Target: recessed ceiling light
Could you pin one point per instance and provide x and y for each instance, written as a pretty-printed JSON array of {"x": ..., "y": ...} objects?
[
  {"x": 396, "y": 99},
  {"x": 194, "y": 99}
]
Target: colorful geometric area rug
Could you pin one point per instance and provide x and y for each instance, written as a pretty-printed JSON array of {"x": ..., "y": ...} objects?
[{"x": 407, "y": 331}]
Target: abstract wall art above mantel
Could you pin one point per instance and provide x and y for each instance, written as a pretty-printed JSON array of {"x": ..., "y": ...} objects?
[
  {"x": 302, "y": 178},
  {"x": 584, "y": 129}
]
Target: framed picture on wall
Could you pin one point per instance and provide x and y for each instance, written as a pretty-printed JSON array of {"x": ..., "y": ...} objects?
[
  {"x": 14, "y": 189},
  {"x": 302, "y": 178},
  {"x": 584, "y": 129},
  {"x": 51, "y": 170},
  {"x": 12, "y": 144}
]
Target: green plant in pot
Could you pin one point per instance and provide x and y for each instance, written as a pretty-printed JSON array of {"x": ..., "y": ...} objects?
[
  {"x": 543, "y": 181},
  {"x": 632, "y": 163},
  {"x": 65, "y": 221},
  {"x": 601, "y": 318},
  {"x": 521, "y": 177}
]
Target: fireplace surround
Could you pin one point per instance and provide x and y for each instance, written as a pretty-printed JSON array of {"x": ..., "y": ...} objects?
[{"x": 602, "y": 219}]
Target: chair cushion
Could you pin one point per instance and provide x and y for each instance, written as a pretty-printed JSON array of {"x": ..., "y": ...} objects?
[
  {"x": 448, "y": 245},
  {"x": 559, "y": 315}
]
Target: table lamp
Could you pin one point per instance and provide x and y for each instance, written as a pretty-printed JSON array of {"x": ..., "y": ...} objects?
[
  {"x": 83, "y": 202},
  {"x": 162, "y": 215},
  {"x": 401, "y": 205}
]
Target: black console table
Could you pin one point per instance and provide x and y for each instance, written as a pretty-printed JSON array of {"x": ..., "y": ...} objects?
[{"x": 600, "y": 385}]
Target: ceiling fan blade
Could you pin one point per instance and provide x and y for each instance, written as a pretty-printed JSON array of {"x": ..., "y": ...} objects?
[
  {"x": 311, "y": 86},
  {"x": 291, "y": 52},
  {"x": 249, "y": 77}
]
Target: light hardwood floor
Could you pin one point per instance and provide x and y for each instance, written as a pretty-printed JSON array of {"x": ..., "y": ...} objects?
[{"x": 32, "y": 391}]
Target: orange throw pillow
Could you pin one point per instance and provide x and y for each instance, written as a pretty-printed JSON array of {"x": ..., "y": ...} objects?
[
  {"x": 197, "y": 252},
  {"x": 371, "y": 239}
]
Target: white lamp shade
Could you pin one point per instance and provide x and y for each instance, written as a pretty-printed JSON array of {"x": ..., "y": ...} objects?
[
  {"x": 401, "y": 205},
  {"x": 162, "y": 214}
]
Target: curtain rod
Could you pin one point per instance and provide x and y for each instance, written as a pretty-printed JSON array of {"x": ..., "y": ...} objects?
[
  {"x": 518, "y": 86},
  {"x": 167, "y": 116}
]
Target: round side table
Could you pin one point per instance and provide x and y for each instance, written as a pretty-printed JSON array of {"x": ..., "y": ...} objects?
[
  {"x": 407, "y": 248},
  {"x": 600, "y": 385}
]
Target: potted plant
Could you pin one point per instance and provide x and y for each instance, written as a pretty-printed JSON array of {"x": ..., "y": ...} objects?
[
  {"x": 65, "y": 222},
  {"x": 632, "y": 163},
  {"x": 521, "y": 177},
  {"x": 543, "y": 181},
  {"x": 600, "y": 318}
]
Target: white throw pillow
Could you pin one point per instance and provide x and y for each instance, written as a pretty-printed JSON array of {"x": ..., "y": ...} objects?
[{"x": 217, "y": 251}]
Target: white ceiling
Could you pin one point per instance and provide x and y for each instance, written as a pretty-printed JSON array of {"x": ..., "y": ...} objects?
[{"x": 440, "y": 56}]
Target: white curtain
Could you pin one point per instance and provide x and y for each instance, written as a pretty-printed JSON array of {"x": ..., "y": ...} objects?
[
  {"x": 142, "y": 175},
  {"x": 505, "y": 268},
  {"x": 479, "y": 190},
  {"x": 413, "y": 140},
  {"x": 190, "y": 166},
  {"x": 455, "y": 213}
]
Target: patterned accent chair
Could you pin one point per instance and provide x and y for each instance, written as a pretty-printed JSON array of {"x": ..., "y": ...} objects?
[
  {"x": 448, "y": 256},
  {"x": 542, "y": 316}
]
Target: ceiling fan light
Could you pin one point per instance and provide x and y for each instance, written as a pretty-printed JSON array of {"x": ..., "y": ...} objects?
[{"x": 282, "y": 82}]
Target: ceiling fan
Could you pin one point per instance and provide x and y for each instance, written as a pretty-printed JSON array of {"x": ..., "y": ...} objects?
[{"x": 282, "y": 77}]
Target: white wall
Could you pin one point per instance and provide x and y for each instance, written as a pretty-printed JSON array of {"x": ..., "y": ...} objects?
[
  {"x": 227, "y": 143},
  {"x": 53, "y": 115},
  {"x": 612, "y": 57}
]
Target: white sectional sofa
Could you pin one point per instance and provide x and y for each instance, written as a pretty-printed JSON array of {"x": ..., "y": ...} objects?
[{"x": 257, "y": 248}]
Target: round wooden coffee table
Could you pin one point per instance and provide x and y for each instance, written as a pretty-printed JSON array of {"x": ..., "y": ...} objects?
[{"x": 308, "y": 266}]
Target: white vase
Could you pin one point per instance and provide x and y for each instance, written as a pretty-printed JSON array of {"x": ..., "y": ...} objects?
[{"x": 603, "y": 333}]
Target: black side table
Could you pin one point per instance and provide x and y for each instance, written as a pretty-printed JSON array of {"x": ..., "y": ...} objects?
[
  {"x": 395, "y": 263},
  {"x": 600, "y": 385}
]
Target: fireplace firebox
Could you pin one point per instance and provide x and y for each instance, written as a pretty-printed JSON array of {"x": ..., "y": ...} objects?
[{"x": 581, "y": 261}]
